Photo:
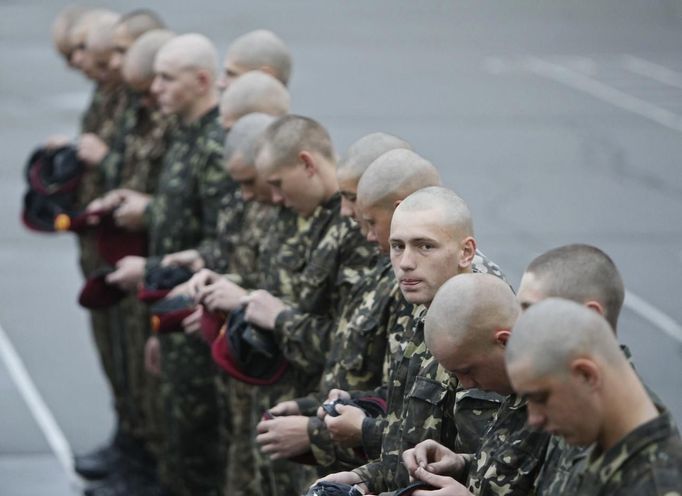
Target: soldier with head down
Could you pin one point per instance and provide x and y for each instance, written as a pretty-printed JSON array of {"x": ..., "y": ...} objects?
[
  {"x": 467, "y": 329},
  {"x": 565, "y": 360},
  {"x": 431, "y": 239}
]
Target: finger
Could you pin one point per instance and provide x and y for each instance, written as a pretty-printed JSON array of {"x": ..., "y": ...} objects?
[
  {"x": 438, "y": 481},
  {"x": 264, "y": 425}
]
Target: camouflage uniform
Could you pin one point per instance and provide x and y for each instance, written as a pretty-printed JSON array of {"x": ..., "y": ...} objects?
[
  {"x": 101, "y": 118},
  {"x": 563, "y": 460},
  {"x": 510, "y": 456},
  {"x": 134, "y": 161},
  {"x": 424, "y": 403},
  {"x": 356, "y": 358},
  {"x": 314, "y": 271},
  {"x": 646, "y": 461},
  {"x": 183, "y": 215}
]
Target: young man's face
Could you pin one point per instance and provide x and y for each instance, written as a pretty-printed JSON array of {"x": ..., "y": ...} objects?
[
  {"x": 425, "y": 252},
  {"x": 530, "y": 291},
  {"x": 376, "y": 220},
  {"x": 174, "y": 87},
  {"x": 291, "y": 185},
  {"x": 253, "y": 187},
  {"x": 561, "y": 404},
  {"x": 231, "y": 71},
  {"x": 122, "y": 42},
  {"x": 474, "y": 368},
  {"x": 348, "y": 187}
]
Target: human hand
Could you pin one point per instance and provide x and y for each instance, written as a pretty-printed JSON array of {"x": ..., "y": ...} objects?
[
  {"x": 435, "y": 458},
  {"x": 444, "y": 485},
  {"x": 192, "y": 323},
  {"x": 345, "y": 478},
  {"x": 221, "y": 295},
  {"x": 128, "y": 274},
  {"x": 334, "y": 394},
  {"x": 152, "y": 356},
  {"x": 130, "y": 211},
  {"x": 283, "y": 437},
  {"x": 187, "y": 258},
  {"x": 285, "y": 408},
  {"x": 91, "y": 149},
  {"x": 262, "y": 309},
  {"x": 346, "y": 428}
]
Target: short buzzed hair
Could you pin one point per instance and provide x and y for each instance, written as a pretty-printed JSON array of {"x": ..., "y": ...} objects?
[
  {"x": 366, "y": 150},
  {"x": 139, "y": 21},
  {"x": 453, "y": 209},
  {"x": 245, "y": 135},
  {"x": 395, "y": 175},
  {"x": 100, "y": 35},
  {"x": 581, "y": 272},
  {"x": 290, "y": 135},
  {"x": 262, "y": 48},
  {"x": 255, "y": 91},
  {"x": 468, "y": 308},
  {"x": 192, "y": 51},
  {"x": 553, "y": 332},
  {"x": 139, "y": 60},
  {"x": 62, "y": 26}
]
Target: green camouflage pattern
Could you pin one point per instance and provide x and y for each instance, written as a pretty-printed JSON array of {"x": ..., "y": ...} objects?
[{"x": 648, "y": 461}]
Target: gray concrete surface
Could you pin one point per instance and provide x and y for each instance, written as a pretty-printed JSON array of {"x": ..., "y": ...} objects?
[{"x": 541, "y": 162}]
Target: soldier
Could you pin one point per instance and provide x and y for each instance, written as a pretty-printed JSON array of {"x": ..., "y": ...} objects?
[
  {"x": 182, "y": 215},
  {"x": 420, "y": 395},
  {"x": 310, "y": 260},
  {"x": 566, "y": 361},
  {"x": 254, "y": 92},
  {"x": 586, "y": 275},
  {"x": 358, "y": 344},
  {"x": 61, "y": 28},
  {"x": 259, "y": 50},
  {"x": 134, "y": 162},
  {"x": 467, "y": 329}
]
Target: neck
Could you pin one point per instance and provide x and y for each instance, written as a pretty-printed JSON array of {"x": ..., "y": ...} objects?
[
  {"x": 330, "y": 185},
  {"x": 200, "y": 108},
  {"x": 628, "y": 406}
]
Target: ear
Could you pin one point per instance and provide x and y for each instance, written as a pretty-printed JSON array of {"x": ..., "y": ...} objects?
[
  {"x": 396, "y": 203},
  {"x": 468, "y": 252},
  {"x": 309, "y": 163},
  {"x": 204, "y": 80},
  {"x": 502, "y": 336},
  {"x": 587, "y": 371},
  {"x": 268, "y": 70},
  {"x": 596, "y": 306}
]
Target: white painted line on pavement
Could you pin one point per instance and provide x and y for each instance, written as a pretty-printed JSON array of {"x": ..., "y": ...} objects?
[
  {"x": 652, "y": 70},
  {"x": 604, "y": 92},
  {"x": 658, "y": 318},
  {"x": 41, "y": 413}
]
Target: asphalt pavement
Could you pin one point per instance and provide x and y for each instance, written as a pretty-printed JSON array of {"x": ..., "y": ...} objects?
[{"x": 556, "y": 121}]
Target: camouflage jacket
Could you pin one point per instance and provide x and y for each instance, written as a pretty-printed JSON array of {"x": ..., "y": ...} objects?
[
  {"x": 183, "y": 212},
  {"x": 230, "y": 229},
  {"x": 510, "y": 455},
  {"x": 103, "y": 118},
  {"x": 648, "y": 461},
  {"x": 241, "y": 245},
  {"x": 421, "y": 405},
  {"x": 364, "y": 337},
  {"x": 136, "y": 154},
  {"x": 563, "y": 460},
  {"x": 336, "y": 257}
]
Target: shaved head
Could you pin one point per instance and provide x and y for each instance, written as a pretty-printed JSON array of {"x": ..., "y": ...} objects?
[
  {"x": 290, "y": 135},
  {"x": 191, "y": 51},
  {"x": 580, "y": 273},
  {"x": 253, "y": 92},
  {"x": 87, "y": 22},
  {"x": 138, "y": 65},
  {"x": 393, "y": 176},
  {"x": 467, "y": 310},
  {"x": 261, "y": 50},
  {"x": 366, "y": 150},
  {"x": 245, "y": 135},
  {"x": 138, "y": 22},
  {"x": 62, "y": 26},
  {"x": 100, "y": 37},
  {"x": 554, "y": 332},
  {"x": 449, "y": 209}
]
